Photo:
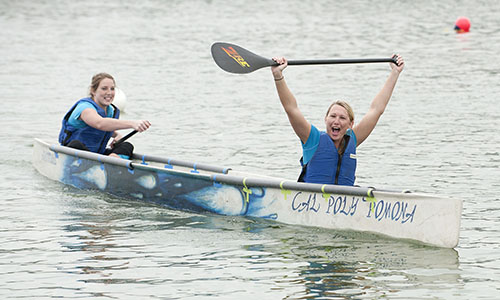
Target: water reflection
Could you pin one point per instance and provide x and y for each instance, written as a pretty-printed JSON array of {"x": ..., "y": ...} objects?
[
  {"x": 121, "y": 241},
  {"x": 344, "y": 264}
]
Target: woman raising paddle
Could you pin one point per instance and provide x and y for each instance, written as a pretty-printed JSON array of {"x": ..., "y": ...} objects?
[
  {"x": 92, "y": 121},
  {"x": 330, "y": 157}
]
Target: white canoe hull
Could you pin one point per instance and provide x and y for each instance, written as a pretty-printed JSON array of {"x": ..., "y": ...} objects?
[{"x": 429, "y": 219}]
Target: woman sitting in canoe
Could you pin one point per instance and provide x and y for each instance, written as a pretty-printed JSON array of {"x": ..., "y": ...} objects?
[
  {"x": 330, "y": 157},
  {"x": 92, "y": 121}
]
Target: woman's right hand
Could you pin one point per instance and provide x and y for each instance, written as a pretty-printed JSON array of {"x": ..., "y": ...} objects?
[
  {"x": 278, "y": 70},
  {"x": 141, "y": 125}
]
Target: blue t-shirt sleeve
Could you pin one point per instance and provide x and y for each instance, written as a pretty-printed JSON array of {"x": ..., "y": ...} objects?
[
  {"x": 311, "y": 145},
  {"x": 75, "y": 115}
]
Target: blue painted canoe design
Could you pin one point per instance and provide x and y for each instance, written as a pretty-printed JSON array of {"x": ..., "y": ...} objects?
[{"x": 177, "y": 184}]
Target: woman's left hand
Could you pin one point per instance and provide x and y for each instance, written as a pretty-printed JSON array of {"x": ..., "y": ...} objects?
[
  {"x": 401, "y": 63},
  {"x": 118, "y": 136}
]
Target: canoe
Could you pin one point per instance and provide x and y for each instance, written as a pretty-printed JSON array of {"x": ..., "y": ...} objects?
[{"x": 197, "y": 187}]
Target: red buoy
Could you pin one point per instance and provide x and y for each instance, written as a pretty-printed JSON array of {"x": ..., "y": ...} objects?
[{"x": 462, "y": 25}]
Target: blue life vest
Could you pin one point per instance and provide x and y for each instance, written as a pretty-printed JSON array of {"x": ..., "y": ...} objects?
[
  {"x": 327, "y": 166},
  {"x": 94, "y": 139}
]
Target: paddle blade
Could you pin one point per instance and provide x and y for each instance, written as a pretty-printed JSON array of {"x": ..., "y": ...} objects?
[{"x": 234, "y": 59}]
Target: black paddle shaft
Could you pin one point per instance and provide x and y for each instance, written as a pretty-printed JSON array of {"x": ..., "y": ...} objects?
[
  {"x": 235, "y": 59},
  {"x": 339, "y": 61},
  {"x": 123, "y": 139}
]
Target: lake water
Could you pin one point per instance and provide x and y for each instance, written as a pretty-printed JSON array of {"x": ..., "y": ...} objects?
[{"x": 438, "y": 135}]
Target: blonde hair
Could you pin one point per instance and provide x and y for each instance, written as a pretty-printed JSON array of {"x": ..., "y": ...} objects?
[
  {"x": 345, "y": 105},
  {"x": 96, "y": 80}
]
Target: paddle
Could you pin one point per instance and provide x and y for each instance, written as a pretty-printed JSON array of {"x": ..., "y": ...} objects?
[
  {"x": 235, "y": 59},
  {"x": 123, "y": 139}
]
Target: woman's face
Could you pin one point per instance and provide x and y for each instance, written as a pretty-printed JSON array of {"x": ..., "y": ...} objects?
[
  {"x": 105, "y": 93},
  {"x": 337, "y": 122}
]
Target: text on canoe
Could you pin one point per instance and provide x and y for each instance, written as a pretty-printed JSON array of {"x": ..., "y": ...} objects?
[{"x": 397, "y": 211}]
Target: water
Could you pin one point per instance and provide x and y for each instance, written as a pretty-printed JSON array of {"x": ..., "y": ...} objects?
[{"x": 438, "y": 135}]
